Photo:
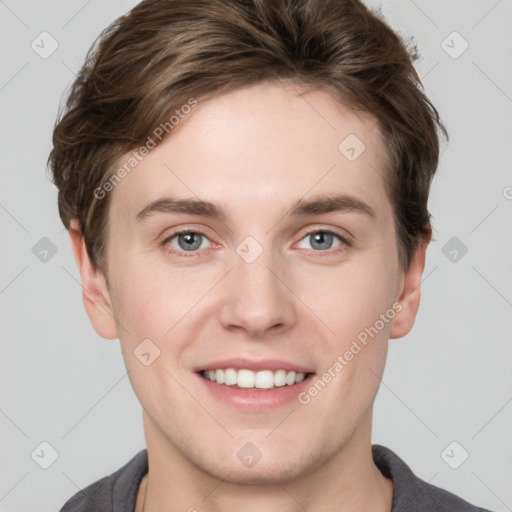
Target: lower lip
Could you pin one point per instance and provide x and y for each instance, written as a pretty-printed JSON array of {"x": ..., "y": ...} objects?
[{"x": 257, "y": 399}]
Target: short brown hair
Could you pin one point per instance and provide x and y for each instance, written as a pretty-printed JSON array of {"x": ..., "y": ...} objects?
[{"x": 151, "y": 61}]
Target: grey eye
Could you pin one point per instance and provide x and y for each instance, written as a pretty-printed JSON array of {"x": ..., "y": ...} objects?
[
  {"x": 321, "y": 240},
  {"x": 188, "y": 241}
]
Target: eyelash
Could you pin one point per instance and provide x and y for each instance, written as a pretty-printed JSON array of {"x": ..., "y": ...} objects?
[{"x": 196, "y": 253}]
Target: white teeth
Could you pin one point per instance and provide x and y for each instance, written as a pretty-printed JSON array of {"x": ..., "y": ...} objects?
[
  {"x": 280, "y": 378},
  {"x": 219, "y": 376},
  {"x": 290, "y": 378},
  {"x": 264, "y": 379},
  {"x": 230, "y": 377},
  {"x": 245, "y": 378}
]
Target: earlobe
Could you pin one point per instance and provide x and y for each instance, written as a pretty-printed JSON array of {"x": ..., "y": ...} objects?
[
  {"x": 95, "y": 294},
  {"x": 410, "y": 294}
]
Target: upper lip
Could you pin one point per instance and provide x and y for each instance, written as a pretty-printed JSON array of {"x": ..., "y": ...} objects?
[{"x": 254, "y": 365}]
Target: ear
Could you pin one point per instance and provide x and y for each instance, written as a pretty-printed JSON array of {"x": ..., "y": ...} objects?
[
  {"x": 410, "y": 292},
  {"x": 95, "y": 293}
]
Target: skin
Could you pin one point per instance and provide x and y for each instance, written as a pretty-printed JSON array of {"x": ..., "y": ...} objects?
[{"x": 255, "y": 151}]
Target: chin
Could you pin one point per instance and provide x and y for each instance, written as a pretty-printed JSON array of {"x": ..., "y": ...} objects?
[
  {"x": 266, "y": 467},
  {"x": 260, "y": 474}
]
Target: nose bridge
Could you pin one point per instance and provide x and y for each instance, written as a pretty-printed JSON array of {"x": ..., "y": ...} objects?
[{"x": 256, "y": 298}]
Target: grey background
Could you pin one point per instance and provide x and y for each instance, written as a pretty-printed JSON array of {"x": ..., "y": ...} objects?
[{"x": 449, "y": 380}]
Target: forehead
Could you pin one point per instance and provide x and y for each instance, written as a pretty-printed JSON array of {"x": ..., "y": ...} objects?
[{"x": 267, "y": 144}]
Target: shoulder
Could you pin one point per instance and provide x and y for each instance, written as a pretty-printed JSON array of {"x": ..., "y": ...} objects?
[
  {"x": 114, "y": 493},
  {"x": 412, "y": 493}
]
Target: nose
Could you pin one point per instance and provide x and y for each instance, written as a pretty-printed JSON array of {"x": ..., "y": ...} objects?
[{"x": 258, "y": 299}]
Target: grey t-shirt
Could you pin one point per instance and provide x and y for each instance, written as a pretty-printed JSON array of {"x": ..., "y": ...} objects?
[{"x": 118, "y": 492}]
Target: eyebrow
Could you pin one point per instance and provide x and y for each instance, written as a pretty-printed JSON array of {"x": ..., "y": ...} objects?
[{"x": 316, "y": 205}]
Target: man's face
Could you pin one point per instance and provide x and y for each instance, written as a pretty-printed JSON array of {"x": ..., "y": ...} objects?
[{"x": 254, "y": 290}]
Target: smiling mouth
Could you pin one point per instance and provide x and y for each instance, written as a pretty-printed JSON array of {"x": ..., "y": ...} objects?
[{"x": 248, "y": 380}]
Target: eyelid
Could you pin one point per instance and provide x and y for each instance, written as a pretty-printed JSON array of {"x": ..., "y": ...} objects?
[{"x": 331, "y": 230}]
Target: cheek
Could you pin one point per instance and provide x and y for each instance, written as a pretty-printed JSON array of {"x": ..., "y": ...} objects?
[
  {"x": 352, "y": 297},
  {"x": 354, "y": 354},
  {"x": 150, "y": 301},
  {"x": 151, "y": 308},
  {"x": 355, "y": 302}
]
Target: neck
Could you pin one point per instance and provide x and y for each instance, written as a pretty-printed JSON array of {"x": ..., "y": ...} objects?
[{"x": 348, "y": 481}]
